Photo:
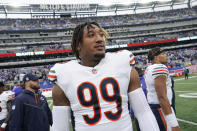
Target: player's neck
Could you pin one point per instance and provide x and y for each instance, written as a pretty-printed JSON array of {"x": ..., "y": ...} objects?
[
  {"x": 90, "y": 63},
  {"x": 156, "y": 62}
]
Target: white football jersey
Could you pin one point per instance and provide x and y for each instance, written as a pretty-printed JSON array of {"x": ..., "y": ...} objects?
[
  {"x": 151, "y": 73},
  {"x": 98, "y": 95},
  {"x": 4, "y": 98}
]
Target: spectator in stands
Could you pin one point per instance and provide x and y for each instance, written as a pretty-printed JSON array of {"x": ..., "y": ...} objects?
[{"x": 30, "y": 111}]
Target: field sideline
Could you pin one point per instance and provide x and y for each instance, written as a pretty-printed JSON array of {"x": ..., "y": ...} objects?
[{"x": 186, "y": 102}]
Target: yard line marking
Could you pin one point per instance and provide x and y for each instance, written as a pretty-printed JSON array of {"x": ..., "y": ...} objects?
[
  {"x": 189, "y": 95},
  {"x": 185, "y": 121},
  {"x": 184, "y": 78},
  {"x": 187, "y": 83},
  {"x": 183, "y": 91}
]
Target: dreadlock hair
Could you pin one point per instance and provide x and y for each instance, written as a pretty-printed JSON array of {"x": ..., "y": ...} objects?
[
  {"x": 154, "y": 52},
  {"x": 77, "y": 37}
]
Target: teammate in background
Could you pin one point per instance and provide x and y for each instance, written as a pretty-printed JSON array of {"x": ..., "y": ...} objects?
[
  {"x": 5, "y": 102},
  {"x": 98, "y": 86},
  {"x": 159, "y": 93},
  {"x": 12, "y": 94},
  {"x": 30, "y": 111}
]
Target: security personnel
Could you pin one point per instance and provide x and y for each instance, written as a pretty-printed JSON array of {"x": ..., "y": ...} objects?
[{"x": 30, "y": 111}]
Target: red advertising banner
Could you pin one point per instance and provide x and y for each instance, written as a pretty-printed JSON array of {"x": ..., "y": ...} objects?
[
  {"x": 57, "y": 51},
  {"x": 8, "y": 55},
  {"x": 152, "y": 42}
]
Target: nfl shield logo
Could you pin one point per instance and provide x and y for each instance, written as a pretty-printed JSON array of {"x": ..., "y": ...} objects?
[{"x": 94, "y": 71}]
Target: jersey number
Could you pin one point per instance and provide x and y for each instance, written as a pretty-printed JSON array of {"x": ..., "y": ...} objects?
[{"x": 94, "y": 103}]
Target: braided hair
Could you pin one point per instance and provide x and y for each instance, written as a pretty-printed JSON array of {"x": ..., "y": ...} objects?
[{"x": 77, "y": 37}]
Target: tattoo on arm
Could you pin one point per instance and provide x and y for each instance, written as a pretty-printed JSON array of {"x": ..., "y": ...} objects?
[
  {"x": 59, "y": 97},
  {"x": 134, "y": 80}
]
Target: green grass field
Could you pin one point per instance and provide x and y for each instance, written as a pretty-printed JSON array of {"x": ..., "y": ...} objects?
[{"x": 186, "y": 103}]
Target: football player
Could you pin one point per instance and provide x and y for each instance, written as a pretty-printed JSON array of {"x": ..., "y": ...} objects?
[
  {"x": 98, "y": 86},
  {"x": 159, "y": 93},
  {"x": 5, "y": 103}
]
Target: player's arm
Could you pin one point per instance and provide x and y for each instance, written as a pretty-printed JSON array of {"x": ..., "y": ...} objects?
[
  {"x": 61, "y": 110},
  {"x": 8, "y": 108},
  {"x": 3, "y": 126},
  {"x": 139, "y": 104},
  {"x": 160, "y": 87}
]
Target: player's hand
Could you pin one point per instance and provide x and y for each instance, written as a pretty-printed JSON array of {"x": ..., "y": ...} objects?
[
  {"x": 177, "y": 128},
  {"x": 3, "y": 126}
]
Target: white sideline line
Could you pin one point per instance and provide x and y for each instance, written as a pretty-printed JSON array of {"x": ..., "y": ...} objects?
[
  {"x": 183, "y": 91},
  {"x": 187, "y": 83},
  {"x": 184, "y": 78},
  {"x": 189, "y": 122},
  {"x": 185, "y": 121}
]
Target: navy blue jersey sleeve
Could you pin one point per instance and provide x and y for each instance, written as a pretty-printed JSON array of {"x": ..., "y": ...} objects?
[
  {"x": 50, "y": 117},
  {"x": 16, "y": 116},
  {"x": 49, "y": 113}
]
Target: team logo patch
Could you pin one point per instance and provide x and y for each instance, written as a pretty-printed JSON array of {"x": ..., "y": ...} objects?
[
  {"x": 41, "y": 98},
  {"x": 94, "y": 71},
  {"x": 13, "y": 107},
  {"x": 27, "y": 79}
]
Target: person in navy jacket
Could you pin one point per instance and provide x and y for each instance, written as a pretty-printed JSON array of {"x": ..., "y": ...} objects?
[{"x": 30, "y": 110}]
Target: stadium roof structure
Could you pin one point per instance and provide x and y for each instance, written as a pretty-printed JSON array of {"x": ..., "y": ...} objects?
[{"x": 60, "y": 8}]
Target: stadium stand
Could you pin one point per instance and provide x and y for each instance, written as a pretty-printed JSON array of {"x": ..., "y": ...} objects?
[
  {"x": 35, "y": 43},
  {"x": 43, "y": 41}
]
